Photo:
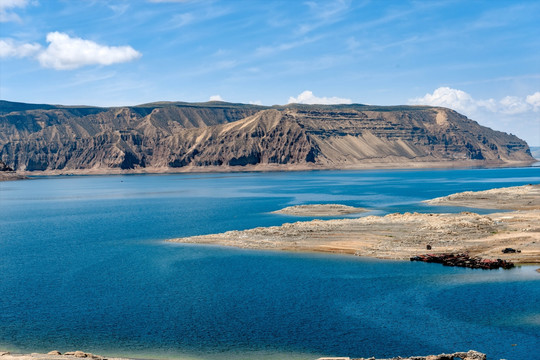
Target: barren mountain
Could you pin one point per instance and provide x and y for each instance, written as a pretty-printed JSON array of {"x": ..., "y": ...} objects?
[{"x": 183, "y": 136}]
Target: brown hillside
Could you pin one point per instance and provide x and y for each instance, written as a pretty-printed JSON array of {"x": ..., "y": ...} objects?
[{"x": 177, "y": 136}]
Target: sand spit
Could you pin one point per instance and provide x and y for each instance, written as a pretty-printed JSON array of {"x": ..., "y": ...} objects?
[
  {"x": 525, "y": 197},
  {"x": 402, "y": 236},
  {"x": 320, "y": 210}
]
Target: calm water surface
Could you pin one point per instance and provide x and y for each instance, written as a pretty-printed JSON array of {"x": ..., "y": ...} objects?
[{"x": 84, "y": 265}]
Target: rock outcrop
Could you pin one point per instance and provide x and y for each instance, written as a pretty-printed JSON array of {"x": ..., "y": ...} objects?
[
  {"x": 6, "y": 173},
  {"x": 464, "y": 260},
  {"x": 4, "y": 167},
  {"x": 179, "y": 136}
]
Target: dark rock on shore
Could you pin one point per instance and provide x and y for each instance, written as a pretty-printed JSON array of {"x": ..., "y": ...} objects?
[{"x": 464, "y": 260}]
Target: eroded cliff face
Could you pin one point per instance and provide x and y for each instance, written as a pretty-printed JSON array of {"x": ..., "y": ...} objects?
[{"x": 179, "y": 136}]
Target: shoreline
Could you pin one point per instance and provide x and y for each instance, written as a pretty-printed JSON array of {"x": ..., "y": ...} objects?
[
  {"x": 406, "y": 165},
  {"x": 56, "y": 355},
  {"x": 11, "y": 176},
  {"x": 78, "y": 355},
  {"x": 401, "y": 236}
]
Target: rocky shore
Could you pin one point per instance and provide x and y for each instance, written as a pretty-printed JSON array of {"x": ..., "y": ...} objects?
[
  {"x": 464, "y": 260},
  {"x": 10, "y": 176},
  {"x": 78, "y": 355},
  {"x": 469, "y": 355},
  {"x": 7, "y": 173},
  {"x": 402, "y": 236}
]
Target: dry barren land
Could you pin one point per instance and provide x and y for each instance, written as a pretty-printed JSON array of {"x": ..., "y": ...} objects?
[{"x": 401, "y": 236}]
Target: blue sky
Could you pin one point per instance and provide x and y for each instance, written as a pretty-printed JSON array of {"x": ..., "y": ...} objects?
[{"x": 481, "y": 58}]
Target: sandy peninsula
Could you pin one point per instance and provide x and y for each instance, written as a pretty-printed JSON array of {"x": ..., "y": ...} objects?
[
  {"x": 525, "y": 197},
  {"x": 401, "y": 236}
]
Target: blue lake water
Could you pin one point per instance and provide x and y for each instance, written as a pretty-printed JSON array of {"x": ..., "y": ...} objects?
[{"x": 84, "y": 265}]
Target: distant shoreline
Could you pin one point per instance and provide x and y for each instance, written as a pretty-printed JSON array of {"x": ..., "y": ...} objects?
[
  {"x": 466, "y": 164},
  {"x": 11, "y": 176}
]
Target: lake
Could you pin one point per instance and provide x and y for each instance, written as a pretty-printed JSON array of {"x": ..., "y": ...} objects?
[{"x": 84, "y": 265}]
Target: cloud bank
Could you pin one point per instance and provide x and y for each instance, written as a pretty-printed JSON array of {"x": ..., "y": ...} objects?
[
  {"x": 307, "y": 97},
  {"x": 512, "y": 114},
  {"x": 463, "y": 102},
  {"x": 68, "y": 53},
  {"x": 215, "y": 98}
]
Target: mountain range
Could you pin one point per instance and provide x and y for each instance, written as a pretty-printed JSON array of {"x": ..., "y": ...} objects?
[{"x": 219, "y": 136}]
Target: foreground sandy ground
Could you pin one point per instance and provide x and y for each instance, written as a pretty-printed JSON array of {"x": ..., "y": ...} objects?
[
  {"x": 77, "y": 355},
  {"x": 54, "y": 355},
  {"x": 401, "y": 236}
]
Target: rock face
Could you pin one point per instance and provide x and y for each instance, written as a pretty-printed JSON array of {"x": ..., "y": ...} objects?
[
  {"x": 4, "y": 167},
  {"x": 176, "y": 136}
]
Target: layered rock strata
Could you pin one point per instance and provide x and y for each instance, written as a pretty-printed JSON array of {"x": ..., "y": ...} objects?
[{"x": 222, "y": 136}]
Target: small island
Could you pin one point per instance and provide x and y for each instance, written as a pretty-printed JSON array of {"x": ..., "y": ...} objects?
[{"x": 326, "y": 210}]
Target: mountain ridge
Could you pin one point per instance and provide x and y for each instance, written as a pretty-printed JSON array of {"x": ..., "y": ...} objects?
[{"x": 179, "y": 136}]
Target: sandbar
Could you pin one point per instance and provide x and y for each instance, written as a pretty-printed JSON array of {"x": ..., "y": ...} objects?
[{"x": 313, "y": 210}]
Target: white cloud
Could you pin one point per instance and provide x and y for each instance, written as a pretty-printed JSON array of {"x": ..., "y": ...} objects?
[
  {"x": 170, "y": 1},
  {"x": 216, "y": 98},
  {"x": 448, "y": 97},
  {"x": 256, "y": 102},
  {"x": 463, "y": 102},
  {"x": 9, "y": 48},
  {"x": 514, "y": 105},
  {"x": 512, "y": 114},
  {"x": 307, "y": 97},
  {"x": 6, "y": 5},
  {"x": 534, "y": 100},
  {"x": 66, "y": 53}
]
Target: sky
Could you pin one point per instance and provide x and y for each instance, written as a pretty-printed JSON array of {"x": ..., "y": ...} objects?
[{"x": 480, "y": 58}]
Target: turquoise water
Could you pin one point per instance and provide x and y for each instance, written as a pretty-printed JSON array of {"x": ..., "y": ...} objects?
[{"x": 83, "y": 265}]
